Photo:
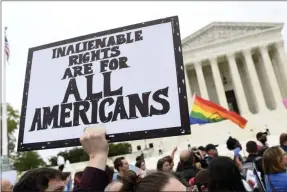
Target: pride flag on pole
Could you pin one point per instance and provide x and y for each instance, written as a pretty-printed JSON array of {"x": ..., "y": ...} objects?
[{"x": 204, "y": 111}]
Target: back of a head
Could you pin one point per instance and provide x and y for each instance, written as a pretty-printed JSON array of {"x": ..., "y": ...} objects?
[
  {"x": 283, "y": 138},
  {"x": 273, "y": 161},
  {"x": 79, "y": 174},
  {"x": 118, "y": 162},
  {"x": 160, "y": 163},
  {"x": 110, "y": 172},
  {"x": 36, "y": 179},
  {"x": 129, "y": 180},
  {"x": 231, "y": 143},
  {"x": 251, "y": 147},
  {"x": 153, "y": 182},
  {"x": 262, "y": 150},
  {"x": 6, "y": 185},
  {"x": 65, "y": 175},
  {"x": 186, "y": 157},
  {"x": 224, "y": 175}
]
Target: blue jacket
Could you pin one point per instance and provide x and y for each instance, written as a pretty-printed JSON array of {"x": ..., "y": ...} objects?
[{"x": 278, "y": 180}]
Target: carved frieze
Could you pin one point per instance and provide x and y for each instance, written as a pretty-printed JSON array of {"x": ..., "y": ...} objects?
[{"x": 217, "y": 33}]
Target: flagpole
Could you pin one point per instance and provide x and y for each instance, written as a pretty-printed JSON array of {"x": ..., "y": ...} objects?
[
  {"x": 5, "y": 159},
  {"x": 4, "y": 110}
]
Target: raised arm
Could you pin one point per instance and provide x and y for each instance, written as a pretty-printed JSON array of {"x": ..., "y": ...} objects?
[{"x": 95, "y": 144}]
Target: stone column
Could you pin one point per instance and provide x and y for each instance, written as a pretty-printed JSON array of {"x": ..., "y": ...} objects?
[
  {"x": 271, "y": 76},
  {"x": 218, "y": 83},
  {"x": 201, "y": 81},
  {"x": 282, "y": 61},
  {"x": 238, "y": 88},
  {"x": 188, "y": 89},
  {"x": 259, "y": 97}
]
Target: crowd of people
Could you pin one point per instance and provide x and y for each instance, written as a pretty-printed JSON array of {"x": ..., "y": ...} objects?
[{"x": 199, "y": 169}]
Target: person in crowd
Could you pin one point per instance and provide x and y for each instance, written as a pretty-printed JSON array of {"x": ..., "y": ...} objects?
[
  {"x": 283, "y": 141},
  {"x": 41, "y": 179},
  {"x": 163, "y": 165},
  {"x": 202, "y": 151},
  {"x": 67, "y": 179},
  {"x": 160, "y": 181},
  {"x": 235, "y": 146},
  {"x": 200, "y": 181},
  {"x": 211, "y": 152},
  {"x": 141, "y": 165},
  {"x": 6, "y": 186},
  {"x": 275, "y": 170},
  {"x": 170, "y": 160},
  {"x": 121, "y": 165},
  {"x": 110, "y": 173},
  {"x": 140, "y": 158},
  {"x": 127, "y": 182},
  {"x": 251, "y": 148},
  {"x": 186, "y": 167},
  {"x": 225, "y": 176},
  {"x": 261, "y": 140},
  {"x": 77, "y": 178}
]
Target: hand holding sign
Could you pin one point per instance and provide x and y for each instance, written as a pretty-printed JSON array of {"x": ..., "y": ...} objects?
[{"x": 95, "y": 144}]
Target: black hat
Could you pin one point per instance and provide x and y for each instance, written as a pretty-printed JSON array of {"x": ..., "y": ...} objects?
[
  {"x": 210, "y": 147},
  {"x": 260, "y": 134},
  {"x": 201, "y": 148}
]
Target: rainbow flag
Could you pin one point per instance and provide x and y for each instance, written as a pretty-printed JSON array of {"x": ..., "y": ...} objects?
[{"x": 204, "y": 111}]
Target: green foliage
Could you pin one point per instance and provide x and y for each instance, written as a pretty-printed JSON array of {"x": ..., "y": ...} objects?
[
  {"x": 78, "y": 154},
  {"x": 12, "y": 119},
  {"x": 28, "y": 160},
  {"x": 12, "y": 125},
  {"x": 119, "y": 149}
]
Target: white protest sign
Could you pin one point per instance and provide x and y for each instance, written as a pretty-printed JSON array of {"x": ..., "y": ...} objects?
[{"x": 130, "y": 79}]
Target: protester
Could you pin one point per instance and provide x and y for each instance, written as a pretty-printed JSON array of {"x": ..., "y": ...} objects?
[
  {"x": 140, "y": 158},
  {"x": 202, "y": 151},
  {"x": 110, "y": 172},
  {"x": 6, "y": 186},
  {"x": 160, "y": 181},
  {"x": 163, "y": 165},
  {"x": 121, "y": 165},
  {"x": 127, "y": 182},
  {"x": 200, "y": 181},
  {"x": 77, "y": 178},
  {"x": 186, "y": 167},
  {"x": 275, "y": 170},
  {"x": 211, "y": 152},
  {"x": 67, "y": 179},
  {"x": 251, "y": 148},
  {"x": 95, "y": 144},
  {"x": 225, "y": 176},
  {"x": 41, "y": 179},
  {"x": 261, "y": 140},
  {"x": 283, "y": 141}
]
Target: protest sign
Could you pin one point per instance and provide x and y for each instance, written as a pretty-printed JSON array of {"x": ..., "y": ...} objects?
[{"x": 129, "y": 79}]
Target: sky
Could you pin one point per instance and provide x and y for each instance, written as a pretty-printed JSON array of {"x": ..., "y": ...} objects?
[{"x": 35, "y": 23}]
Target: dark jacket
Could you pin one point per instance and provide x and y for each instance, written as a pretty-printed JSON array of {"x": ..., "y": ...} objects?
[
  {"x": 284, "y": 147},
  {"x": 186, "y": 171},
  {"x": 250, "y": 158},
  {"x": 93, "y": 179}
]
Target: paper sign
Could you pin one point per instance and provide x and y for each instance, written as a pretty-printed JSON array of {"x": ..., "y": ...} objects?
[{"x": 130, "y": 79}]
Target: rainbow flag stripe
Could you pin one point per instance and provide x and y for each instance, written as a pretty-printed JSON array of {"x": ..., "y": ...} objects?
[{"x": 204, "y": 111}]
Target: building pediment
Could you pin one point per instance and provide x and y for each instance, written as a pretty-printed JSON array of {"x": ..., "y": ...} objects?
[{"x": 220, "y": 31}]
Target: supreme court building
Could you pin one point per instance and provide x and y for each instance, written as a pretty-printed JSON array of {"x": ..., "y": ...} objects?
[{"x": 241, "y": 66}]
